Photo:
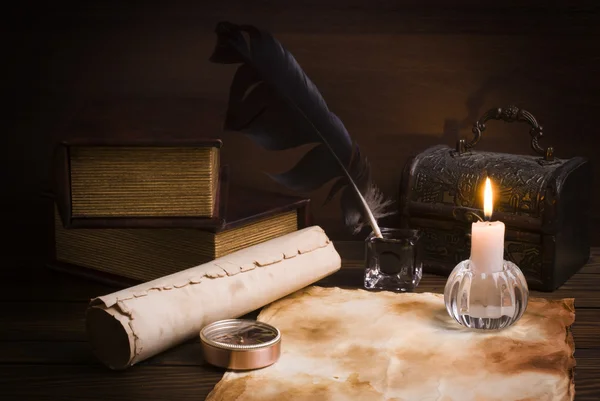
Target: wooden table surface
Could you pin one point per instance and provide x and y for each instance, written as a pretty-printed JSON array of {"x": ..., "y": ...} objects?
[{"x": 44, "y": 354}]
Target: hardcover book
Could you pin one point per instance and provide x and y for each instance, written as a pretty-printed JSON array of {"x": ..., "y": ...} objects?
[
  {"x": 137, "y": 183},
  {"x": 126, "y": 256}
]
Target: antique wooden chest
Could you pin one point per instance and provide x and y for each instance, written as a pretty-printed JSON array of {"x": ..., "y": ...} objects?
[{"x": 543, "y": 201}]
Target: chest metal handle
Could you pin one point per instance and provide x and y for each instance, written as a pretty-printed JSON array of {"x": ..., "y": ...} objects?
[{"x": 509, "y": 114}]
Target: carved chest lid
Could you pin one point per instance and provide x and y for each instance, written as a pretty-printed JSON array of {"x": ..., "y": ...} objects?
[{"x": 440, "y": 183}]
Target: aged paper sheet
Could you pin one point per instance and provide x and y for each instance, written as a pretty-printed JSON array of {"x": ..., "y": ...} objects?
[{"x": 356, "y": 345}]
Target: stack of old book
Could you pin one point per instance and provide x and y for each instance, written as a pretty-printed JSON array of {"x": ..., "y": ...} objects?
[{"x": 129, "y": 212}]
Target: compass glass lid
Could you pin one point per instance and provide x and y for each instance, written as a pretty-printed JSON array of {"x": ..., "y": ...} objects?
[{"x": 240, "y": 334}]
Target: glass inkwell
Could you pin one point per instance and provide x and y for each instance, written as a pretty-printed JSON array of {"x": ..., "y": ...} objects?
[
  {"x": 485, "y": 291},
  {"x": 393, "y": 260}
]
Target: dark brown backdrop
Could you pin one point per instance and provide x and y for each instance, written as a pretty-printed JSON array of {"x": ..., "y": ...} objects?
[{"x": 402, "y": 75}]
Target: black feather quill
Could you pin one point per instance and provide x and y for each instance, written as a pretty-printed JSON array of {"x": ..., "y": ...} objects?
[{"x": 273, "y": 101}]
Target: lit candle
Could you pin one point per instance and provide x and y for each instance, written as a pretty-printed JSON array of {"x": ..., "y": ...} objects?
[
  {"x": 486, "y": 292},
  {"x": 487, "y": 238}
]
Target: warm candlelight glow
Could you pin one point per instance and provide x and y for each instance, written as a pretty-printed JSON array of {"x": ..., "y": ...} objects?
[{"x": 488, "y": 199}]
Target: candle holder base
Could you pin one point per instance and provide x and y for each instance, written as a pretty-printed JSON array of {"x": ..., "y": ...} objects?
[{"x": 486, "y": 300}]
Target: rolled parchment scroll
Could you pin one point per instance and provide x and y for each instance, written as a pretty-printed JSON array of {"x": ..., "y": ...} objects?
[{"x": 136, "y": 323}]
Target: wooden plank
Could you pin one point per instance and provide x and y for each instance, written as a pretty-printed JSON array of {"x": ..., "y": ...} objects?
[
  {"x": 49, "y": 285},
  {"x": 64, "y": 288},
  {"x": 56, "y": 286},
  {"x": 47, "y": 321},
  {"x": 350, "y": 251},
  {"x": 44, "y": 284},
  {"x": 187, "y": 354},
  {"x": 582, "y": 282},
  {"x": 47, "y": 382},
  {"x": 35, "y": 282},
  {"x": 593, "y": 265},
  {"x": 581, "y": 287},
  {"x": 590, "y": 269},
  {"x": 587, "y": 385},
  {"x": 53, "y": 286},
  {"x": 47, "y": 353},
  {"x": 80, "y": 353},
  {"x": 53, "y": 321},
  {"x": 586, "y": 329},
  {"x": 60, "y": 321},
  {"x": 587, "y": 358}
]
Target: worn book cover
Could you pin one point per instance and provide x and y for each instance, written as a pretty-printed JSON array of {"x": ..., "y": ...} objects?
[
  {"x": 126, "y": 256},
  {"x": 142, "y": 183}
]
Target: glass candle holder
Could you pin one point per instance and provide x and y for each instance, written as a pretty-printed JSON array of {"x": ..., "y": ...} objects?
[
  {"x": 393, "y": 262},
  {"x": 486, "y": 300}
]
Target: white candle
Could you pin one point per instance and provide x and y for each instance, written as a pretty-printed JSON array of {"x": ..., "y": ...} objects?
[{"x": 487, "y": 239}]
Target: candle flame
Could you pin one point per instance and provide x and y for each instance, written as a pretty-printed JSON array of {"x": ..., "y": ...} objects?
[{"x": 488, "y": 199}]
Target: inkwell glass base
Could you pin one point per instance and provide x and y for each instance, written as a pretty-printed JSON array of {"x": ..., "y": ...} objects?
[
  {"x": 486, "y": 301},
  {"x": 393, "y": 262}
]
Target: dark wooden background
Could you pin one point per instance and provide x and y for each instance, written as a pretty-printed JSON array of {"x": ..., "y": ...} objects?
[{"x": 402, "y": 75}]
